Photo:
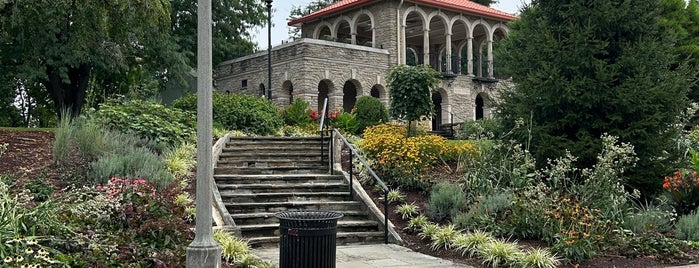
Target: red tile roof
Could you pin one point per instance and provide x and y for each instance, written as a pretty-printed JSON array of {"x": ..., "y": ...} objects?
[{"x": 460, "y": 5}]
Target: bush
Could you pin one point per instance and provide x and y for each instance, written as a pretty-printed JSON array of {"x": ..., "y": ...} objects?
[
  {"x": 148, "y": 120},
  {"x": 344, "y": 121},
  {"x": 479, "y": 129},
  {"x": 297, "y": 114},
  {"x": 500, "y": 253},
  {"x": 538, "y": 258},
  {"x": 469, "y": 244},
  {"x": 688, "y": 227},
  {"x": 398, "y": 155},
  {"x": 649, "y": 219},
  {"x": 369, "y": 111},
  {"x": 133, "y": 162},
  {"x": 445, "y": 201},
  {"x": 239, "y": 112}
]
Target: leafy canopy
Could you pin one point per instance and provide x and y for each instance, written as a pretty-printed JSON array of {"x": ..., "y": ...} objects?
[
  {"x": 585, "y": 68},
  {"x": 410, "y": 91}
]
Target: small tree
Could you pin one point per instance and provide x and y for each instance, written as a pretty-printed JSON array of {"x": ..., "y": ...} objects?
[
  {"x": 410, "y": 88},
  {"x": 369, "y": 112}
]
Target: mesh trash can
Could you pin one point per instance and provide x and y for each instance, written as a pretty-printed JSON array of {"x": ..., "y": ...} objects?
[{"x": 307, "y": 238}]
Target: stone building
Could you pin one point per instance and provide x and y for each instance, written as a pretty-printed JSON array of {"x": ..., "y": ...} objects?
[{"x": 347, "y": 48}]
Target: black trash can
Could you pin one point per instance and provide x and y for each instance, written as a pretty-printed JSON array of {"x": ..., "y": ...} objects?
[{"x": 307, "y": 238}]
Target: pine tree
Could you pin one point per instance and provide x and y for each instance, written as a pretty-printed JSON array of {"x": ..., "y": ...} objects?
[{"x": 585, "y": 68}]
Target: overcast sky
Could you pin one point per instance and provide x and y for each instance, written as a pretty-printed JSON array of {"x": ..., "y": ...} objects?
[{"x": 281, "y": 9}]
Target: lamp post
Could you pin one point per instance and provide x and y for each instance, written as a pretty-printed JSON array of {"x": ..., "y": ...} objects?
[
  {"x": 204, "y": 252},
  {"x": 269, "y": 49}
]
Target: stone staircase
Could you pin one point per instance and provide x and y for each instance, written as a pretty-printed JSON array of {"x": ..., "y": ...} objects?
[{"x": 258, "y": 176}]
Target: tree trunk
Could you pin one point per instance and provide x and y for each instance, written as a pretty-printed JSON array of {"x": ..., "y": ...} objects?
[{"x": 68, "y": 97}]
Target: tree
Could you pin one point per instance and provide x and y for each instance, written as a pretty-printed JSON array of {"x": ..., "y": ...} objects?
[
  {"x": 298, "y": 11},
  {"x": 410, "y": 92},
  {"x": 486, "y": 2},
  {"x": 585, "y": 68},
  {"x": 60, "y": 43},
  {"x": 230, "y": 36}
]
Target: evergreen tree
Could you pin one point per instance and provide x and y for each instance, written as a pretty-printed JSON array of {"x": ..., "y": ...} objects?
[{"x": 585, "y": 68}]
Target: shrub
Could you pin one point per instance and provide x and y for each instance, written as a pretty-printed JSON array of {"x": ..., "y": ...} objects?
[
  {"x": 487, "y": 212},
  {"x": 181, "y": 160},
  {"x": 499, "y": 253},
  {"x": 479, "y": 129},
  {"x": 239, "y": 112},
  {"x": 395, "y": 196},
  {"x": 369, "y": 111},
  {"x": 81, "y": 135},
  {"x": 134, "y": 162},
  {"x": 297, "y": 114},
  {"x": 444, "y": 237},
  {"x": 459, "y": 151},
  {"x": 398, "y": 155},
  {"x": 406, "y": 210},
  {"x": 688, "y": 227},
  {"x": 345, "y": 121},
  {"x": 416, "y": 224},
  {"x": 445, "y": 201},
  {"x": 538, "y": 258},
  {"x": 470, "y": 243},
  {"x": 651, "y": 244},
  {"x": 682, "y": 190},
  {"x": 148, "y": 120},
  {"x": 648, "y": 219},
  {"x": 428, "y": 230}
]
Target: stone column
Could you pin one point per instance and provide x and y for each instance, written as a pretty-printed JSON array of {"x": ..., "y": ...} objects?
[
  {"x": 469, "y": 56},
  {"x": 490, "y": 58},
  {"x": 204, "y": 251},
  {"x": 449, "y": 67},
  {"x": 403, "y": 49},
  {"x": 354, "y": 38},
  {"x": 426, "y": 47}
]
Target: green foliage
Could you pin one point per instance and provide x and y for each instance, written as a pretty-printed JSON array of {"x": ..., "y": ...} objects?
[
  {"x": 297, "y": 113},
  {"x": 444, "y": 237},
  {"x": 346, "y": 122},
  {"x": 486, "y": 212},
  {"x": 410, "y": 91},
  {"x": 593, "y": 78},
  {"x": 486, "y": 2},
  {"x": 687, "y": 227},
  {"x": 40, "y": 189},
  {"x": 650, "y": 219},
  {"x": 499, "y": 253},
  {"x": 445, "y": 201},
  {"x": 369, "y": 111},
  {"x": 147, "y": 120},
  {"x": 3, "y": 148},
  {"x": 395, "y": 196},
  {"x": 298, "y": 11},
  {"x": 406, "y": 210},
  {"x": 132, "y": 162},
  {"x": 428, "y": 230},
  {"x": 181, "y": 160},
  {"x": 469, "y": 244},
  {"x": 416, "y": 224},
  {"x": 235, "y": 250},
  {"x": 538, "y": 258},
  {"x": 682, "y": 189},
  {"x": 239, "y": 112},
  {"x": 480, "y": 129},
  {"x": 651, "y": 244}
]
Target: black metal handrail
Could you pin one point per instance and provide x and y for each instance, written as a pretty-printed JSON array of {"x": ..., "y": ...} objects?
[{"x": 353, "y": 152}]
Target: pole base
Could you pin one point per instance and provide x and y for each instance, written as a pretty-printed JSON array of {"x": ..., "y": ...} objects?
[{"x": 203, "y": 256}]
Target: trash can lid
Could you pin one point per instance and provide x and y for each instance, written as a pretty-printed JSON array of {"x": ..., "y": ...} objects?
[{"x": 308, "y": 215}]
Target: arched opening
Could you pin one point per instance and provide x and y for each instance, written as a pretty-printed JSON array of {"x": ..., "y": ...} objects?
[
  {"x": 262, "y": 91},
  {"x": 375, "y": 92},
  {"x": 479, "y": 107},
  {"x": 459, "y": 37},
  {"x": 438, "y": 33},
  {"x": 437, "y": 117},
  {"x": 480, "y": 51},
  {"x": 288, "y": 91},
  {"x": 344, "y": 32},
  {"x": 365, "y": 31},
  {"x": 414, "y": 37},
  {"x": 411, "y": 58},
  {"x": 324, "y": 89},
  {"x": 325, "y": 33},
  {"x": 349, "y": 95}
]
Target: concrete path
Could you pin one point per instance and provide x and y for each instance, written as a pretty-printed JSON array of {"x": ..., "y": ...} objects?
[{"x": 373, "y": 256}]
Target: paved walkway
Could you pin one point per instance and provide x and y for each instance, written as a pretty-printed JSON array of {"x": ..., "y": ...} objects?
[{"x": 373, "y": 256}]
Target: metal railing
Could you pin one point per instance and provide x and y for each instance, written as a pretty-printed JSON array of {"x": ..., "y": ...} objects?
[
  {"x": 353, "y": 153},
  {"x": 322, "y": 129}
]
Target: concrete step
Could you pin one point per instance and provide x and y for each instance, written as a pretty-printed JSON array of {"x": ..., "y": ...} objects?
[
  {"x": 307, "y": 169},
  {"x": 277, "y": 179},
  {"x": 266, "y": 156},
  {"x": 268, "y": 217},
  {"x": 343, "y": 238},
  {"x": 261, "y": 148},
  {"x": 235, "y": 208},
  {"x": 285, "y": 197},
  {"x": 270, "y": 162},
  {"x": 227, "y": 189}
]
